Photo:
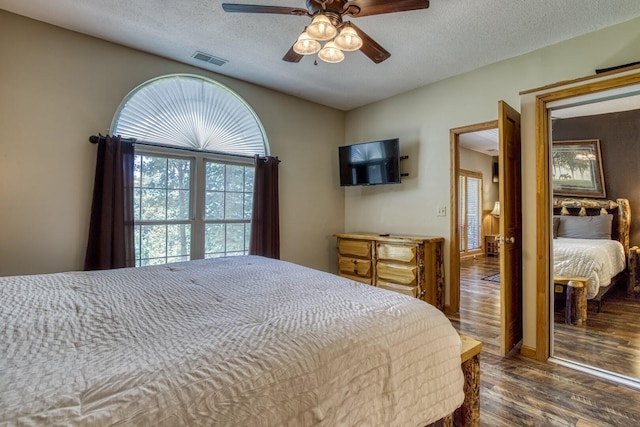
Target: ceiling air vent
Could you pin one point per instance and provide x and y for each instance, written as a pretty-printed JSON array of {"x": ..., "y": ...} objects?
[{"x": 201, "y": 56}]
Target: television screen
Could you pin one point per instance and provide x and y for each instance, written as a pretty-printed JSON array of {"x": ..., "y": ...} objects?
[{"x": 370, "y": 163}]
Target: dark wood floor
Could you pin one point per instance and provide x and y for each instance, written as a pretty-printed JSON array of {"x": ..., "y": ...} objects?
[
  {"x": 610, "y": 340},
  {"x": 518, "y": 391}
]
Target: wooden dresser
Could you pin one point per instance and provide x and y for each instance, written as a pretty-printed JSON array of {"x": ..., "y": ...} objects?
[{"x": 413, "y": 265}]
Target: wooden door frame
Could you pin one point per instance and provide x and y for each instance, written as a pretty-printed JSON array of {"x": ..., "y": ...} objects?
[
  {"x": 454, "y": 239},
  {"x": 543, "y": 190}
]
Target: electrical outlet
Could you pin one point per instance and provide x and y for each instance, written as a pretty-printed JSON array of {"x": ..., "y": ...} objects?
[{"x": 442, "y": 211}]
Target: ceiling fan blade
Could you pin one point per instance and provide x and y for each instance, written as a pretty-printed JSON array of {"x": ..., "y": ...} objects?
[
  {"x": 370, "y": 47},
  {"x": 292, "y": 56},
  {"x": 252, "y": 8},
  {"x": 377, "y": 7}
]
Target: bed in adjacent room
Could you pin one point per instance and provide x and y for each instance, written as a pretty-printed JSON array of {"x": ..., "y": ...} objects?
[
  {"x": 590, "y": 243},
  {"x": 229, "y": 341}
]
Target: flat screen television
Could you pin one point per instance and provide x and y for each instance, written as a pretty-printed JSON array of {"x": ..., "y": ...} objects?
[{"x": 370, "y": 163}]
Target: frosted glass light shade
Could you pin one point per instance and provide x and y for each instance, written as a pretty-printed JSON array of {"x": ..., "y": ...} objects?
[
  {"x": 330, "y": 53},
  {"x": 348, "y": 39},
  {"x": 321, "y": 28},
  {"x": 496, "y": 209},
  {"x": 306, "y": 45}
]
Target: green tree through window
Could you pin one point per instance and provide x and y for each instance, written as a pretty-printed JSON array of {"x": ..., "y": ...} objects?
[{"x": 229, "y": 199}]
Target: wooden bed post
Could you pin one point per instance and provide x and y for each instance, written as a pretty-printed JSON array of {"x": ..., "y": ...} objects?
[
  {"x": 468, "y": 415},
  {"x": 624, "y": 223},
  {"x": 575, "y": 290},
  {"x": 576, "y": 308},
  {"x": 633, "y": 287}
]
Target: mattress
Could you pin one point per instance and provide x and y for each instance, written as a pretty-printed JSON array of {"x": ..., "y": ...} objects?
[
  {"x": 598, "y": 259},
  {"x": 240, "y": 341}
]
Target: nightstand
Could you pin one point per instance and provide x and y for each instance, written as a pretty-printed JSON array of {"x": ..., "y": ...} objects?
[{"x": 491, "y": 246}]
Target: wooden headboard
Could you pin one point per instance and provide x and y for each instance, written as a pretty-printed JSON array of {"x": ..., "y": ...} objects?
[{"x": 619, "y": 209}]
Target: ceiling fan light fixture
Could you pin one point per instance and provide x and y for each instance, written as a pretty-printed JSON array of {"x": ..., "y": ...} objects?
[
  {"x": 330, "y": 53},
  {"x": 306, "y": 45},
  {"x": 321, "y": 28},
  {"x": 348, "y": 39}
]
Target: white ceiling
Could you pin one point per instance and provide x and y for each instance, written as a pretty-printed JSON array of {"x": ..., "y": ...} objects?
[
  {"x": 449, "y": 38},
  {"x": 483, "y": 141}
]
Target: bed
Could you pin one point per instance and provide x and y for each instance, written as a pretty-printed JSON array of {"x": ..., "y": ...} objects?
[
  {"x": 230, "y": 341},
  {"x": 596, "y": 259},
  {"x": 590, "y": 244}
]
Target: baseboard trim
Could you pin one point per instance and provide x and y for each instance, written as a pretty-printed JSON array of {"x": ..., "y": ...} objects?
[{"x": 527, "y": 351}]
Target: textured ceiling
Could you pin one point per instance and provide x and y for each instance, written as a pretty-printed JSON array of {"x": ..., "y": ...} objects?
[{"x": 448, "y": 38}]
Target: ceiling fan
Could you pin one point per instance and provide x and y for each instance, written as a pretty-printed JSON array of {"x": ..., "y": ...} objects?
[{"x": 327, "y": 25}]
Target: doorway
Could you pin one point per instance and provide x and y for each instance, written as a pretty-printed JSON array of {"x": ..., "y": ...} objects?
[
  {"x": 454, "y": 275},
  {"x": 594, "y": 94},
  {"x": 607, "y": 340},
  {"x": 508, "y": 125}
]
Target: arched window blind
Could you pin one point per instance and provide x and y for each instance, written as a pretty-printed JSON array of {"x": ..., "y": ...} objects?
[
  {"x": 192, "y": 112},
  {"x": 176, "y": 216}
]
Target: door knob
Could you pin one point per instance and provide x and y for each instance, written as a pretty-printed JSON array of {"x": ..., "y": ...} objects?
[{"x": 502, "y": 240}]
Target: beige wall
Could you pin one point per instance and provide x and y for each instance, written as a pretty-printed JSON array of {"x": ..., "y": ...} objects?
[
  {"x": 483, "y": 163},
  {"x": 58, "y": 87},
  {"x": 422, "y": 119}
]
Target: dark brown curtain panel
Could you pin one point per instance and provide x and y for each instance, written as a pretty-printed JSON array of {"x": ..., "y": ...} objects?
[
  {"x": 265, "y": 221},
  {"x": 110, "y": 242}
]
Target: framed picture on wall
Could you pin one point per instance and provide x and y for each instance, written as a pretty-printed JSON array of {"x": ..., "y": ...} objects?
[{"x": 576, "y": 168}]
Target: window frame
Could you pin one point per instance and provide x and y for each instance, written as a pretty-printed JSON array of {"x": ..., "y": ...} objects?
[
  {"x": 197, "y": 218},
  {"x": 463, "y": 178}
]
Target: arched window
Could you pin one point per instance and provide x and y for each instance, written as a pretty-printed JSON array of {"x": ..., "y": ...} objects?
[{"x": 193, "y": 176}]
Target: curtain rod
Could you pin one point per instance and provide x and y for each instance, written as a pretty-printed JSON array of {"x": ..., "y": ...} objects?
[{"x": 95, "y": 139}]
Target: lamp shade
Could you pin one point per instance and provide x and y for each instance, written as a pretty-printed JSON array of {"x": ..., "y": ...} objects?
[
  {"x": 348, "y": 39},
  {"x": 330, "y": 53},
  {"x": 321, "y": 28},
  {"x": 496, "y": 209},
  {"x": 306, "y": 45}
]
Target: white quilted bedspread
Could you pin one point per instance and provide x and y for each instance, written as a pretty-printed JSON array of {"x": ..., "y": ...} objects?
[
  {"x": 243, "y": 341},
  {"x": 597, "y": 259}
]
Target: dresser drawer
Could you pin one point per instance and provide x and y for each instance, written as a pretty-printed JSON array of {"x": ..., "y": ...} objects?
[
  {"x": 412, "y": 291},
  {"x": 359, "y": 248},
  {"x": 355, "y": 267},
  {"x": 397, "y": 273},
  {"x": 396, "y": 252}
]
